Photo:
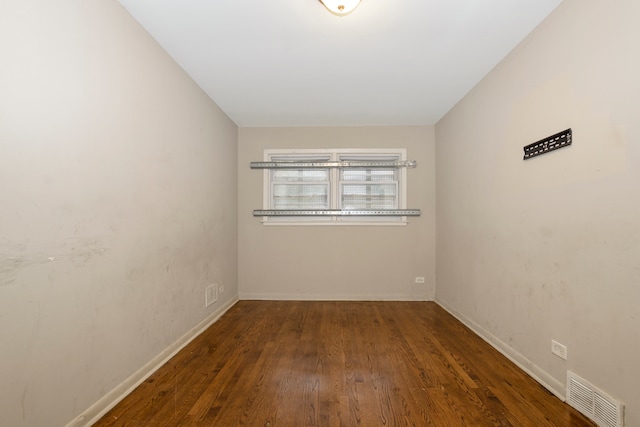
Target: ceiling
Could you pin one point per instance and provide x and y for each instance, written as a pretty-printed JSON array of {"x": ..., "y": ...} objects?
[{"x": 292, "y": 63}]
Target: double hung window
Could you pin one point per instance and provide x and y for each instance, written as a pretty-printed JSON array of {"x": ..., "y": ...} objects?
[{"x": 343, "y": 188}]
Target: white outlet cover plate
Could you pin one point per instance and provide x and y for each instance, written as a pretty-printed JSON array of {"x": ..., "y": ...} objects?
[
  {"x": 558, "y": 349},
  {"x": 211, "y": 295}
]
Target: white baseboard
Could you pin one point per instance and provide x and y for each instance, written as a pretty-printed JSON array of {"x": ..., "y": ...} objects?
[
  {"x": 544, "y": 378},
  {"x": 325, "y": 297},
  {"x": 108, "y": 401}
]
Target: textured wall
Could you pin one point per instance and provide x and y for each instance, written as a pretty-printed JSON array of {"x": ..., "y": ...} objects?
[
  {"x": 118, "y": 194},
  {"x": 549, "y": 248}
]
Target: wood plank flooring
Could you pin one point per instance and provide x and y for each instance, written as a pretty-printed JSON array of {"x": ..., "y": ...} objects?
[{"x": 294, "y": 363}]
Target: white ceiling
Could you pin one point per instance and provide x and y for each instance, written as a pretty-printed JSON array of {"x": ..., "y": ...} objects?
[{"x": 292, "y": 63}]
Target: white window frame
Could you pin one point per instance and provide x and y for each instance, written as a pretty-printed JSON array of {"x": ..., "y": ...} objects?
[{"x": 334, "y": 186}]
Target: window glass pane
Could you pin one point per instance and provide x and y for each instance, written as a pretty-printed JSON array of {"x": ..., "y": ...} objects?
[
  {"x": 362, "y": 174},
  {"x": 369, "y": 188},
  {"x": 300, "y": 175},
  {"x": 300, "y": 196},
  {"x": 369, "y": 196}
]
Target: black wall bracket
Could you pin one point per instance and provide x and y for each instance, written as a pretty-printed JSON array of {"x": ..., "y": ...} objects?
[{"x": 551, "y": 143}]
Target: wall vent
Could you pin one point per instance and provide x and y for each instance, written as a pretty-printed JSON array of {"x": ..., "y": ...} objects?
[{"x": 594, "y": 403}]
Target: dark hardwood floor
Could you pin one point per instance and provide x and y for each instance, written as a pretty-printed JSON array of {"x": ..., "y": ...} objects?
[{"x": 290, "y": 363}]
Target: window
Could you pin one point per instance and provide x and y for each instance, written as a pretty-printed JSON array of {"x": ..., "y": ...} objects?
[{"x": 332, "y": 188}]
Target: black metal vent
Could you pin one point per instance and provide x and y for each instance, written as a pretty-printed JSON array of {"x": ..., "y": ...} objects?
[{"x": 551, "y": 143}]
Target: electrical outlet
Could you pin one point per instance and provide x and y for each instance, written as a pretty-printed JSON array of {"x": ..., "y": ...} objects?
[
  {"x": 210, "y": 295},
  {"x": 221, "y": 290},
  {"x": 419, "y": 279},
  {"x": 558, "y": 349}
]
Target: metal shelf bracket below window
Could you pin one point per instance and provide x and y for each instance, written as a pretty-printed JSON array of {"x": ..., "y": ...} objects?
[{"x": 332, "y": 212}]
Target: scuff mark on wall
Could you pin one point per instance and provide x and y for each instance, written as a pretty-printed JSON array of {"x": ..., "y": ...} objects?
[
  {"x": 80, "y": 250},
  {"x": 14, "y": 256},
  {"x": 13, "y": 259}
]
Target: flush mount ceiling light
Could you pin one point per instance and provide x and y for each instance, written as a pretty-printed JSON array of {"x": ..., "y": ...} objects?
[{"x": 340, "y": 7}]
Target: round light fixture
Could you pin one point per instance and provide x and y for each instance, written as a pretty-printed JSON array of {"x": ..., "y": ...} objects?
[{"x": 340, "y": 7}]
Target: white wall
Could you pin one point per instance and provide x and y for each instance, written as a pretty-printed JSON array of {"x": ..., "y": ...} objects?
[
  {"x": 118, "y": 205},
  {"x": 337, "y": 262},
  {"x": 549, "y": 248}
]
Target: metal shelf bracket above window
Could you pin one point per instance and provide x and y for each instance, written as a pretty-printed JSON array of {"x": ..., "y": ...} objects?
[
  {"x": 331, "y": 212},
  {"x": 286, "y": 164}
]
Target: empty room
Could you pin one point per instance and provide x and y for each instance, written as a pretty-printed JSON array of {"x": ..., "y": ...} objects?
[{"x": 319, "y": 213}]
